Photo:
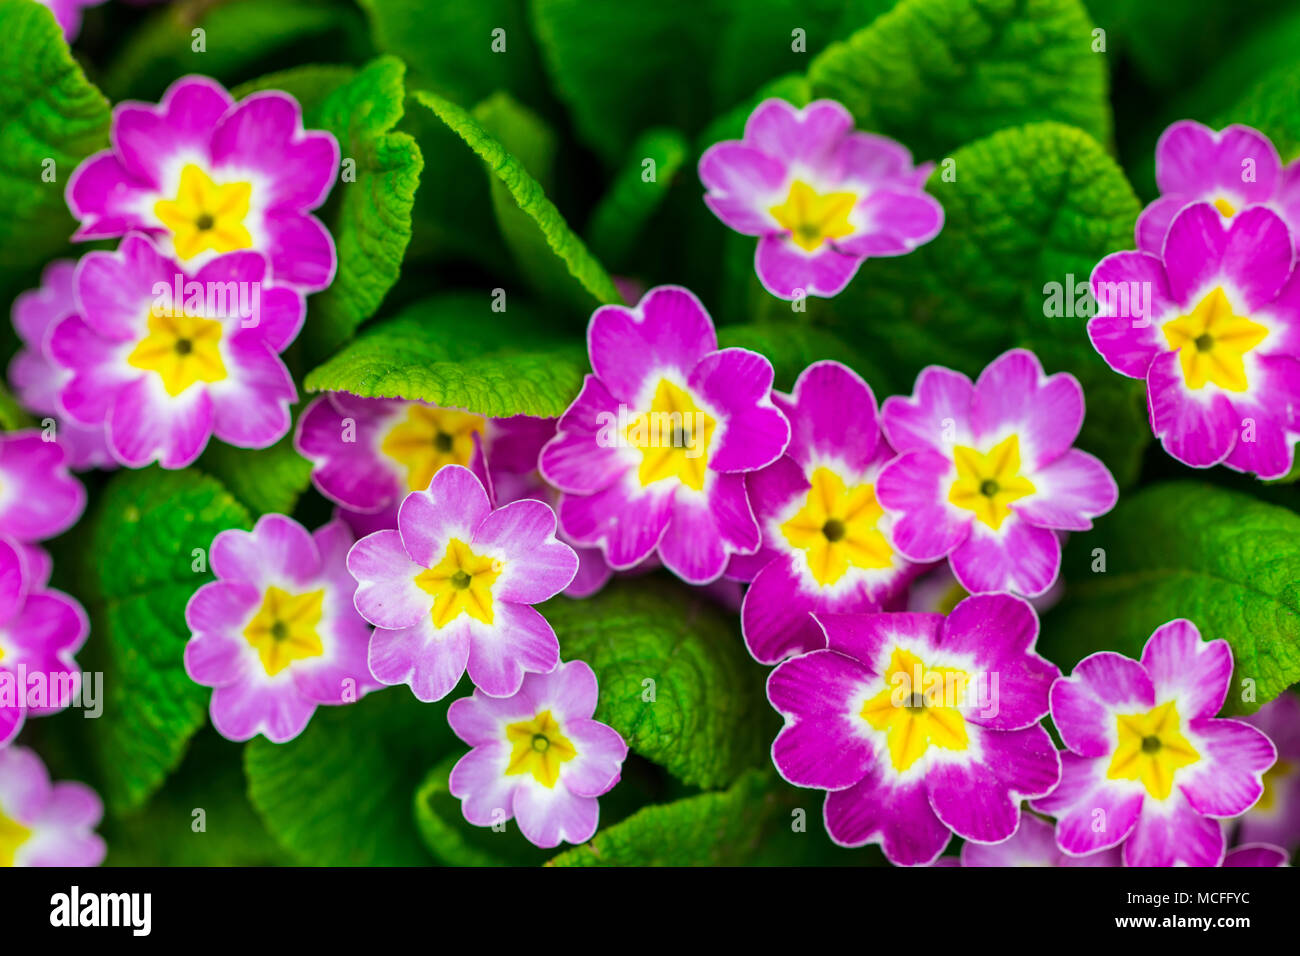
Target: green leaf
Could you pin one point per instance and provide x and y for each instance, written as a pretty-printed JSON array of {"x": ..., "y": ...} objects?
[
  {"x": 12, "y": 416},
  {"x": 622, "y": 68},
  {"x": 340, "y": 793},
  {"x": 1224, "y": 560},
  {"x": 791, "y": 345},
  {"x": 370, "y": 218},
  {"x": 1030, "y": 213},
  {"x": 140, "y": 553},
  {"x": 201, "y": 818},
  {"x": 454, "y": 351},
  {"x": 723, "y": 828},
  {"x": 454, "y": 841},
  {"x": 938, "y": 73},
  {"x": 240, "y": 39},
  {"x": 530, "y": 223},
  {"x": 266, "y": 480},
  {"x": 462, "y": 64},
  {"x": 1272, "y": 106},
  {"x": 759, "y": 41},
  {"x": 51, "y": 118},
  {"x": 675, "y": 679},
  {"x": 631, "y": 200}
]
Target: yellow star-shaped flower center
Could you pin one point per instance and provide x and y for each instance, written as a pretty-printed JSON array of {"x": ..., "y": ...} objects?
[
  {"x": 987, "y": 483},
  {"x": 673, "y": 437},
  {"x": 918, "y": 708},
  {"x": 205, "y": 215},
  {"x": 12, "y": 836},
  {"x": 837, "y": 527},
  {"x": 285, "y": 628},
  {"x": 460, "y": 583},
  {"x": 428, "y": 439},
  {"x": 812, "y": 217},
  {"x": 1226, "y": 209},
  {"x": 538, "y": 747},
  {"x": 182, "y": 349},
  {"x": 1151, "y": 749},
  {"x": 1212, "y": 341}
]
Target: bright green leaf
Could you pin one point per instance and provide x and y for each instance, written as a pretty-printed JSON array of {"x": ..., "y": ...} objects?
[
  {"x": 51, "y": 118},
  {"x": 723, "y": 828},
  {"x": 1224, "y": 560},
  {"x": 538, "y": 233},
  {"x": 1030, "y": 213},
  {"x": 938, "y": 73},
  {"x": 142, "y": 551},
  {"x": 454, "y": 350},
  {"x": 456, "y": 842},
  {"x": 675, "y": 679},
  {"x": 340, "y": 793},
  {"x": 370, "y": 217}
]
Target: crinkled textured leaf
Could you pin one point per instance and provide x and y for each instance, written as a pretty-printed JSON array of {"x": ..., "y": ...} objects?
[
  {"x": 201, "y": 818},
  {"x": 453, "y": 350},
  {"x": 939, "y": 73},
  {"x": 541, "y": 225},
  {"x": 340, "y": 793},
  {"x": 708, "y": 720},
  {"x": 49, "y": 114},
  {"x": 1225, "y": 561},
  {"x": 141, "y": 552},
  {"x": 1030, "y": 206},
  {"x": 456, "y": 842},
  {"x": 461, "y": 63},
  {"x": 722, "y": 828},
  {"x": 371, "y": 217},
  {"x": 242, "y": 38},
  {"x": 631, "y": 200},
  {"x": 264, "y": 479}
]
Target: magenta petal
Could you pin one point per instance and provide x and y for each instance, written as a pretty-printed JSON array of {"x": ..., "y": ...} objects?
[
  {"x": 1045, "y": 412},
  {"x": 387, "y": 595},
  {"x": 537, "y": 566},
  {"x": 833, "y": 415},
  {"x": 823, "y": 743},
  {"x": 668, "y": 331},
  {"x": 917, "y": 422},
  {"x": 145, "y": 424},
  {"x": 578, "y": 459},
  {"x": 776, "y": 616},
  {"x": 1257, "y": 854},
  {"x": 453, "y": 506},
  {"x": 1171, "y": 833},
  {"x": 1019, "y": 557},
  {"x": 1185, "y": 668},
  {"x": 431, "y": 661},
  {"x": 601, "y": 752},
  {"x": 755, "y": 433},
  {"x": 265, "y": 131},
  {"x": 1092, "y": 813},
  {"x": 1198, "y": 430},
  {"x": 521, "y": 641},
  {"x": 1069, "y": 493},
  {"x": 1226, "y": 781},
  {"x": 624, "y": 520},
  {"x": 479, "y": 781},
  {"x": 551, "y": 816},
  {"x": 242, "y": 710},
  {"x": 914, "y": 487},
  {"x": 895, "y": 815},
  {"x": 788, "y": 272}
]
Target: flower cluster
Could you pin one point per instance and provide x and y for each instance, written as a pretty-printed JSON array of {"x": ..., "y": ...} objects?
[
  {"x": 1207, "y": 310},
  {"x": 144, "y": 352}
]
